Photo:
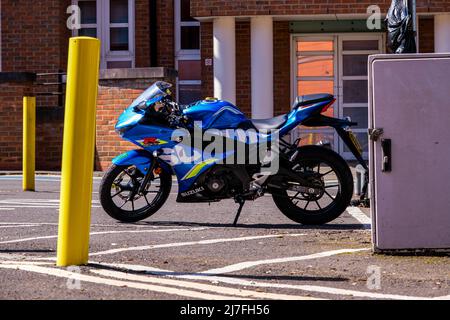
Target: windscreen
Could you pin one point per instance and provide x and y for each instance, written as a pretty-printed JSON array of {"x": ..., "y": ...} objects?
[{"x": 153, "y": 94}]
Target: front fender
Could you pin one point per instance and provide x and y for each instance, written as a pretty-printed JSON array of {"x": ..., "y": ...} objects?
[{"x": 142, "y": 159}]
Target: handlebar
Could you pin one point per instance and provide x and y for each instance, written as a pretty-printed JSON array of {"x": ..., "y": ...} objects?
[{"x": 175, "y": 114}]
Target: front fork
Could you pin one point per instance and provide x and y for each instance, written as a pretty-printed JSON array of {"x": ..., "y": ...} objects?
[{"x": 148, "y": 176}]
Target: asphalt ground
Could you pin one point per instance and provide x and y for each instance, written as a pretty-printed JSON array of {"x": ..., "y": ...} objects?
[{"x": 192, "y": 251}]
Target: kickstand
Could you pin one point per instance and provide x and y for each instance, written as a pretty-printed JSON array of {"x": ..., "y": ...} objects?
[{"x": 241, "y": 205}]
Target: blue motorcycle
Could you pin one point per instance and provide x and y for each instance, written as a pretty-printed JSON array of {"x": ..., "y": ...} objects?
[{"x": 311, "y": 185}]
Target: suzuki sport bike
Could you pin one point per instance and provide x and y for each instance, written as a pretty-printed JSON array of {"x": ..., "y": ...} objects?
[{"x": 311, "y": 185}]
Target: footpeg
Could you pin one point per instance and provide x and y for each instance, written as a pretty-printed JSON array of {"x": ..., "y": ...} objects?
[{"x": 261, "y": 177}]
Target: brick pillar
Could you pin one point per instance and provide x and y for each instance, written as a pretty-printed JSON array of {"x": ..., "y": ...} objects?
[
  {"x": 282, "y": 67},
  {"x": 243, "y": 68},
  {"x": 206, "y": 38}
]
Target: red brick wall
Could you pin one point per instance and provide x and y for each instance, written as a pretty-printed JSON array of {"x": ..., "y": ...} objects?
[
  {"x": 35, "y": 36},
  {"x": 34, "y": 39},
  {"x": 206, "y": 40},
  {"x": 31, "y": 35},
  {"x": 426, "y": 35},
  {"x": 208, "y": 8},
  {"x": 11, "y": 114},
  {"x": 64, "y": 34},
  {"x": 243, "y": 67},
  {"x": 49, "y": 140}
]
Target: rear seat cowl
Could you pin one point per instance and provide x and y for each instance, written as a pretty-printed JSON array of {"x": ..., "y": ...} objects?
[{"x": 311, "y": 99}]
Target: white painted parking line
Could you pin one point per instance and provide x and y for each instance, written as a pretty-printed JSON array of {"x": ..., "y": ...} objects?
[
  {"x": 192, "y": 243},
  {"x": 14, "y": 207},
  {"x": 52, "y": 201},
  {"x": 31, "y": 263},
  {"x": 7, "y": 209},
  {"x": 29, "y": 200},
  {"x": 118, "y": 283},
  {"x": 106, "y": 232},
  {"x": 19, "y": 226},
  {"x": 36, "y": 203},
  {"x": 261, "y": 284},
  {"x": 194, "y": 294},
  {"x": 248, "y": 294},
  {"x": 359, "y": 215},
  {"x": 24, "y": 223},
  {"x": 45, "y": 178},
  {"x": 251, "y": 264},
  {"x": 309, "y": 288},
  {"x": 118, "y": 225}
]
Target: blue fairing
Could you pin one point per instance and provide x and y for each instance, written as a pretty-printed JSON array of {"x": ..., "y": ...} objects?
[
  {"x": 216, "y": 114},
  {"x": 138, "y": 128},
  {"x": 129, "y": 118},
  {"x": 140, "y": 158}
]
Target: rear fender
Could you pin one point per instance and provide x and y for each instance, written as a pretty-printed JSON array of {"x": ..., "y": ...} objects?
[
  {"x": 340, "y": 125},
  {"x": 324, "y": 121}
]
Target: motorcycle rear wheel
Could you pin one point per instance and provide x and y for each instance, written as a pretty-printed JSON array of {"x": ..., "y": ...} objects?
[
  {"x": 331, "y": 174},
  {"x": 117, "y": 193}
]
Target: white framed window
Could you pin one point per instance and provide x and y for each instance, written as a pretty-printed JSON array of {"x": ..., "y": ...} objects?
[
  {"x": 111, "y": 21},
  {"x": 187, "y": 53}
]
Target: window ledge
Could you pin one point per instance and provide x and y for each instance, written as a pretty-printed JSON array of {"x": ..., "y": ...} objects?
[{"x": 137, "y": 73}]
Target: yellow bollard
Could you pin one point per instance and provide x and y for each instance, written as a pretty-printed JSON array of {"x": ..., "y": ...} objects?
[
  {"x": 29, "y": 133},
  {"x": 78, "y": 151}
]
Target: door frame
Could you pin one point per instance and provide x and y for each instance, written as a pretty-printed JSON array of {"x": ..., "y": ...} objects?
[
  {"x": 294, "y": 75},
  {"x": 341, "y": 78},
  {"x": 338, "y": 60}
]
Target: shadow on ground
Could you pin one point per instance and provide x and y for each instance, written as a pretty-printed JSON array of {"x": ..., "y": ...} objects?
[
  {"x": 254, "y": 226},
  {"x": 240, "y": 276}
]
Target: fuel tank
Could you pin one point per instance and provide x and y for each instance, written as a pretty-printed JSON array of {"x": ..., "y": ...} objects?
[{"x": 216, "y": 114}]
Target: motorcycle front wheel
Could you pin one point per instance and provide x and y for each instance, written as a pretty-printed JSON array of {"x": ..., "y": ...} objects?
[
  {"x": 121, "y": 200},
  {"x": 328, "y": 172}
]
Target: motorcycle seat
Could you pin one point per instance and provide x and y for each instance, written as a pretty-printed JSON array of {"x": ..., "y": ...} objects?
[
  {"x": 305, "y": 100},
  {"x": 270, "y": 124},
  {"x": 278, "y": 122}
]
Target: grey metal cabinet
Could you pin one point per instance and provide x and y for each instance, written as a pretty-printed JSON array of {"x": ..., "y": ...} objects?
[{"x": 409, "y": 99}]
